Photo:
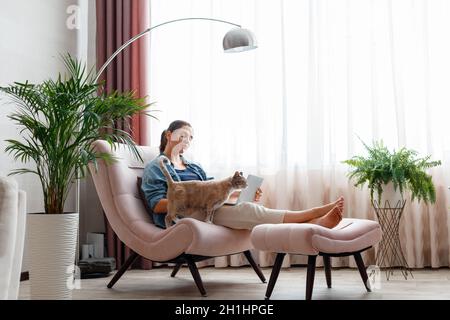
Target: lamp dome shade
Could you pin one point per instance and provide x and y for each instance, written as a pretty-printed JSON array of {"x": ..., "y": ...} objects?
[{"x": 238, "y": 40}]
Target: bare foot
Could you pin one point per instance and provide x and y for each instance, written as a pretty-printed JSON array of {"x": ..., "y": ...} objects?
[
  {"x": 323, "y": 210},
  {"x": 329, "y": 220},
  {"x": 340, "y": 203}
]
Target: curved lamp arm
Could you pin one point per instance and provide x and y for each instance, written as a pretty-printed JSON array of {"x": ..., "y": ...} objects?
[{"x": 136, "y": 37}]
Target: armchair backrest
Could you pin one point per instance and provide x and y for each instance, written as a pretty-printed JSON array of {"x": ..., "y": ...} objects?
[{"x": 117, "y": 190}]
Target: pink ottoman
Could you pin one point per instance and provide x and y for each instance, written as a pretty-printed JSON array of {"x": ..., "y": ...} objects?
[{"x": 349, "y": 237}]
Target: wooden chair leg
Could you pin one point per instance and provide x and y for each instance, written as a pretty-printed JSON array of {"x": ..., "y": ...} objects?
[
  {"x": 133, "y": 256},
  {"x": 274, "y": 275},
  {"x": 362, "y": 270},
  {"x": 310, "y": 276},
  {"x": 176, "y": 269},
  {"x": 327, "y": 267},
  {"x": 255, "y": 267},
  {"x": 196, "y": 275}
]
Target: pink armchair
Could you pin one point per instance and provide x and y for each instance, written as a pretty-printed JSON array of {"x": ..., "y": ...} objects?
[{"x": 187, "y": 241}]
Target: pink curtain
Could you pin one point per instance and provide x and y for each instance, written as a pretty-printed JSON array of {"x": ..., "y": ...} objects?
[{"x": 117, "y": 22}]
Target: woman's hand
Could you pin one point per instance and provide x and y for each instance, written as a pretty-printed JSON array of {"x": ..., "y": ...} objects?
[
  {"x": 258, "y": 195},
  {"x": 234, "y": 196}
]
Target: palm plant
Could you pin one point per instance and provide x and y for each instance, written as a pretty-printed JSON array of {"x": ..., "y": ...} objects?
[
  {"x": 402, "y": 168},
  {"x": 59, "y": 120}
]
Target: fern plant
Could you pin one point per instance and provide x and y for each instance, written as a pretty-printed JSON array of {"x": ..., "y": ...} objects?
[
  {"x": 59, "y": 120},
  {"x": 403, "y": 168}
]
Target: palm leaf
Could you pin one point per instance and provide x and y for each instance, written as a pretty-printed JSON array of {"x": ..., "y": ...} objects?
[{"x": 60, "y": 119}]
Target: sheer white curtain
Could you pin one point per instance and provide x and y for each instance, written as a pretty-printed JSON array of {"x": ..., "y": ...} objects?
[{"x": 325, "y": 73}]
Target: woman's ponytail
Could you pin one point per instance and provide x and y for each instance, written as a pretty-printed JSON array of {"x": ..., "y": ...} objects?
[{"x": 163, "y": 144}]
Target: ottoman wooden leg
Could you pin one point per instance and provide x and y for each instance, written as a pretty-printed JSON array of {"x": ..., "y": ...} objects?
[
  {"x": 310, "y": 276},
  {"x": 362, "y": 269},
  {"x": 327, "y": 267},
  {"x": 274, "y": 275}
]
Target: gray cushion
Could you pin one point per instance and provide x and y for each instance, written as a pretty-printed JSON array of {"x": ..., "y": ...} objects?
[{"x": 142, "y": 196}]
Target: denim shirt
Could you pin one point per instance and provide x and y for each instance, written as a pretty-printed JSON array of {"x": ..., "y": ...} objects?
[{"x": 154, "y": 183}]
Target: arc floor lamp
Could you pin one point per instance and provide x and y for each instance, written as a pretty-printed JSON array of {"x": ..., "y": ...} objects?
[{"x": 236, "y": 40}]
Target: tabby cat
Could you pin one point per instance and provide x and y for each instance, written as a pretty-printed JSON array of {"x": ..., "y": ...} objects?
[{"x": 198, "y": 199}]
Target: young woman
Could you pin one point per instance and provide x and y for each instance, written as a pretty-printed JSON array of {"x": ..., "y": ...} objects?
[{"x": 174, "y": 142}]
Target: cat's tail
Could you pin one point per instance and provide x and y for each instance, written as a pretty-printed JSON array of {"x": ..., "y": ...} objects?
[{"x": 162, "y": 164}]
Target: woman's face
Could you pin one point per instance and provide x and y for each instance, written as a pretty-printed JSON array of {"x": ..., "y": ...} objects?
[{"x": 180, "y": 139}]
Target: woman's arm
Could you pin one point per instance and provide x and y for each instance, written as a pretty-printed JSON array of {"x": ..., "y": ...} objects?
[
  {"x": 161, "y": 206},
  {"x": 154, "y": 186}
]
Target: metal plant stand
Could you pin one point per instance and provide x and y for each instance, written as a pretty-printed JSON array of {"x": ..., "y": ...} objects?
[{"x": 390, "y": 253}]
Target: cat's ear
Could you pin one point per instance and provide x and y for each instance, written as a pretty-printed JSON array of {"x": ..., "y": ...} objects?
[
  {"x": 236, "y": 174},
  {"x": 241, "y": 173}
]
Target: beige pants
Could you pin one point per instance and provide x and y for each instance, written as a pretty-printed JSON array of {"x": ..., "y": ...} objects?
[{"x": 246, "y": 215}]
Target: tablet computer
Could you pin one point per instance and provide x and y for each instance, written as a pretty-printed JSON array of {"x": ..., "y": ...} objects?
[{"x": 248, "y": 194}]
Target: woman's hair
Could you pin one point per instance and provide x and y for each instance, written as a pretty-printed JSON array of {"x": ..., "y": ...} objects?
[{"x": 177, "y": 124}]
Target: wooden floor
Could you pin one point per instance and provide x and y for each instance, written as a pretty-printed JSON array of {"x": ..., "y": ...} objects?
[{"x": 243, "y": 284}]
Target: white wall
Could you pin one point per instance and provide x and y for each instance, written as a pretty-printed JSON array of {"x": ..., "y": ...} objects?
[{"x": 32, "y": 36}]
